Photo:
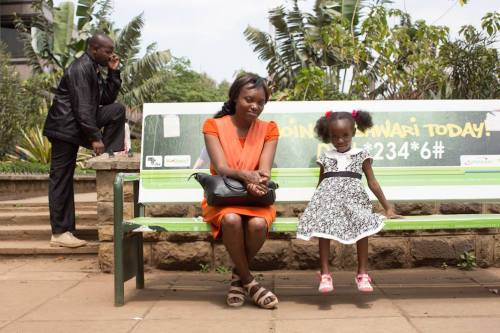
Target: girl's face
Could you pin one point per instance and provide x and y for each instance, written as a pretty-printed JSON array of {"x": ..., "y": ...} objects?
[
  {"x": 341, "y": 133},
  {"x": 250, "y": 103}
]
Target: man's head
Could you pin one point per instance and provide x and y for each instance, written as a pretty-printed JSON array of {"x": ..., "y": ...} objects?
[{"x": 101, "y": 47}]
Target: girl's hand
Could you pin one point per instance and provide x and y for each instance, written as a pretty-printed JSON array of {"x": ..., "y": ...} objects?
[{"x": 390, "y": 214}]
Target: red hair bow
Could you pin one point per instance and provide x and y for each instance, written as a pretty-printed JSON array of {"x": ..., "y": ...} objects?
[
  {"x": 354, "y": 113},
  {"x": 328, "y": 114}
]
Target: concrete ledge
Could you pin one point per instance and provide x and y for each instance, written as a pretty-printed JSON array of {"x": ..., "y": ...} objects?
[{"x": 117, "y": 162}]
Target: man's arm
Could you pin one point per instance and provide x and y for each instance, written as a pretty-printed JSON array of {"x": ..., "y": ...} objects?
[
  {"x": 82, "y": 104},
  {"x": 113, "y": 81}
]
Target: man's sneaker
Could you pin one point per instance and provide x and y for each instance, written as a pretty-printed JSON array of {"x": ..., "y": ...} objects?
[
  {"x": 66, "y": 239},
  {"x": 363, "y": 281},
  {"x": 325, "y": 284}
]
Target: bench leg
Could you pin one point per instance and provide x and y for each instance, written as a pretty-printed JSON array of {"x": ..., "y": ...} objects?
[
  {"x": 118, "y": 240},
  {"x": 119, "y": 278},
  {"x": 139, "y": 278}
]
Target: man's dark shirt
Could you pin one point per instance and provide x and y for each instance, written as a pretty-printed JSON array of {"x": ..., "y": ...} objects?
[{"x": 72, "y": 116}]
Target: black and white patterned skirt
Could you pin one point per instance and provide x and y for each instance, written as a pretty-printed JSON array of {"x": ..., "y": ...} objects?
[{"x": 340, "y": 209}]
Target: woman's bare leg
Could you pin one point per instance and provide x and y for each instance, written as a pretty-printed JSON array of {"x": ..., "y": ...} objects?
[
  {"x": 233, "y": 237},
  {"x": 255, "y": 236}
]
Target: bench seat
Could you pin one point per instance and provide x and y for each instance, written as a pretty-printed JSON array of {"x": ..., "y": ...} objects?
[{"x": 289, "y": 224}]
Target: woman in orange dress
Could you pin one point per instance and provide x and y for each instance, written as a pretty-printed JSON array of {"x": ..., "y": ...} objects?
[{"x": 242, "y": 147}]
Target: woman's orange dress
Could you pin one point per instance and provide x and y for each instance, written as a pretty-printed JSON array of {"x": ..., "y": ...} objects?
[{"x": 214, "y": 214}]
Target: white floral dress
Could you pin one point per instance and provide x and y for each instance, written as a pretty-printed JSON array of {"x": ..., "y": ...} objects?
[{"x": 340, "y": 208}]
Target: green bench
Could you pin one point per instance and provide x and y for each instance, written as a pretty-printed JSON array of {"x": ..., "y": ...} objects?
[
  {"x": 296, "y": 185},
  {"x": 432, "y": 133}
]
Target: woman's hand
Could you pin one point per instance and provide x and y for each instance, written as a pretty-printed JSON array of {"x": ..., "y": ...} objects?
[
  {"x": 391, "y": 214},
  {"x": 264, "y": 177},
  {"x": 254, "y": 177},
  {"x": 250, "y": 177},
  {"x": 256, "y": 181},
  {"x": 257, "y": 190}
]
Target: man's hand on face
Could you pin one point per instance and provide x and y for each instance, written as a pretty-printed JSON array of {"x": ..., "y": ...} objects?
[
  {"x": 98, "y": 147},
  {"x": 114, "y": 61}
]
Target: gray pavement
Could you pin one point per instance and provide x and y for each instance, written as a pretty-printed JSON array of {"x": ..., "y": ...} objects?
[{"x": 71, "y": 295}]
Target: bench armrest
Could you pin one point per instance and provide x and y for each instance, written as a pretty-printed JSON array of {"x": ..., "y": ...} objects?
[{"x": 118, "y": 203}]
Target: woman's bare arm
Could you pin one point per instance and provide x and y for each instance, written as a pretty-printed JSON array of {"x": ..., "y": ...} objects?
[
  {"x": 214, "y": 149},
  {"x": 267, "y": 158}
]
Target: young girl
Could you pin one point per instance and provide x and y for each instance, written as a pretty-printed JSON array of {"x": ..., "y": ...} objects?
[{"x": 340, "y": 208}]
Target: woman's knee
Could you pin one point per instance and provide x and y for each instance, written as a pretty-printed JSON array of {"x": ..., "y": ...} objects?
[
  {"x": 231, "y": 221},
  {"x": 257, "y": 225}
]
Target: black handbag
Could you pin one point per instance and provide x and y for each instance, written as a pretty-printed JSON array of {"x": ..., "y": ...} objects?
[{"x": 226, "y": 191}]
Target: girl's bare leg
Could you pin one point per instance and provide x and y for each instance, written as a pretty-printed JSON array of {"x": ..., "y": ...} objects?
[
  {"x": 362, "y": 251},
  {"x": 324, "y": 255}
]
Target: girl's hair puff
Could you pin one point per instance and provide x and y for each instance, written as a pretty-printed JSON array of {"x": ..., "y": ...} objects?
[{"x": 362, "y": 122}]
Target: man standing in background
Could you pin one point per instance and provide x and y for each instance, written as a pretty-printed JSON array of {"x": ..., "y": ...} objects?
[{"x": 83, "y": 113}]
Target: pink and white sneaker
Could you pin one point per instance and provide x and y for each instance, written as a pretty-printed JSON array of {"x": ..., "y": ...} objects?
[
  {"x": 363, "y": 281},
  {"x": 326, "y": 283}
]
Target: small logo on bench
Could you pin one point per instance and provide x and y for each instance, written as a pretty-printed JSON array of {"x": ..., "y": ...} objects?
[
  {"x": 177, "y": 161},
  {"x": 154, "y": 161}
]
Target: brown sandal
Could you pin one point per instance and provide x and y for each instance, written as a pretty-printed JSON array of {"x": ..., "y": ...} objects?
[
  {"x": 260, "y": 295},
  {"x": 236, "y": 294}
]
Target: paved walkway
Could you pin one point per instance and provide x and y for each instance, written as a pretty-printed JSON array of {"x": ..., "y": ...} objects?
[{"x": 70, "y": 295}]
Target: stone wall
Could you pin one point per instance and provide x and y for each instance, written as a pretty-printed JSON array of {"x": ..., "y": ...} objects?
[
  {"x": 16, "y": 186},
  {"x": 196, "y": 251}
]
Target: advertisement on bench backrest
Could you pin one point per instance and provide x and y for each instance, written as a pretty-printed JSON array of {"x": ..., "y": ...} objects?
[
  {"x": 405, "y": 133},
  {"x": 422, "y": 150}
]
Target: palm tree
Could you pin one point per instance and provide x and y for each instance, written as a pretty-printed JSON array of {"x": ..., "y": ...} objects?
[
  {"x": 54, "y": 42},
  {"x": 302, "y": 40}
]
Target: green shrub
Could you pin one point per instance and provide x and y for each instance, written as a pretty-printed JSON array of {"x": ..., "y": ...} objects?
[
  {"x": 12, "y": 104},
  {"x": 26, "y": 167}
]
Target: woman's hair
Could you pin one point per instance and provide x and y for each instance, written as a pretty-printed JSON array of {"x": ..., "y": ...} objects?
[
  {"x": 253, "y": 80},
  {"x": 363, "y": 121}
]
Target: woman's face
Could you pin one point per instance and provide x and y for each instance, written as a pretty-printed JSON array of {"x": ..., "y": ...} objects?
[{"x": 250, "y": 103}]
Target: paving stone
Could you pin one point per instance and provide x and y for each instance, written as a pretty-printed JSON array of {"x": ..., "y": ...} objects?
[
  {"x": 64, "y": 326},
  {"x": 346, "y": 325},
  {"x": 195, "y": 326},
  {"x": 457, "y": 325}
]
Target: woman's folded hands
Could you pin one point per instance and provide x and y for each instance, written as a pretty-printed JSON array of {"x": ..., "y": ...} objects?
[{"x": 256, "y": 181}]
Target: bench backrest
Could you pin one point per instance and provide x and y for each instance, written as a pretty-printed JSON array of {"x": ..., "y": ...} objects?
[{"x": 423, "y": 150}]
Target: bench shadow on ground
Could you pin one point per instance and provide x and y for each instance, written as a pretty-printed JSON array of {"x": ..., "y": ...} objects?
[{"x": 200, "y": 289}]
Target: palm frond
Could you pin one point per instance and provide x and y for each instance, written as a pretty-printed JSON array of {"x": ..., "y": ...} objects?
[
  {"x": 84, "y": 10},
  {"x": 105, "y": 9},
  {"x": 63, "y": 27},
  {"x": 127, "y": 44},
  {"x": 262, "y": 43},
  {"x": 277, "y": 67},
  {"x": 146, "y": 67},
  {"x": 28, "y": 50},
  {"x": 151, "y": 48},
  {"x": 134, "y": 97}
]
